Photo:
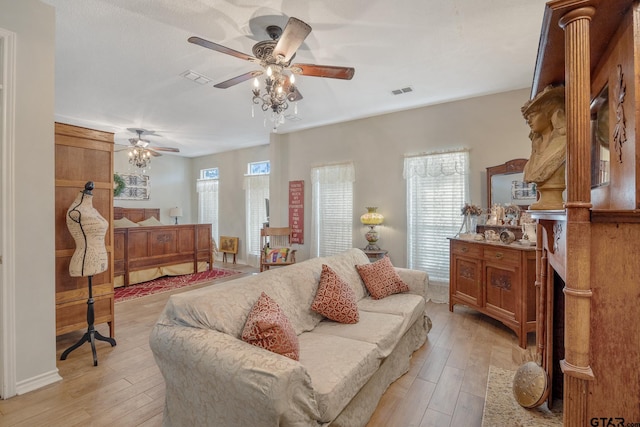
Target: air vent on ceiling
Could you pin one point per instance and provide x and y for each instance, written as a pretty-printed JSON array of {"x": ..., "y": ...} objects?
[
  {"x": 195, "y": 77},
  {"x": 403, "y": 90}
]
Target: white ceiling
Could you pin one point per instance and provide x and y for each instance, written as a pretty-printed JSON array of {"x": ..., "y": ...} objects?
[{"x": 118, "y": 62}]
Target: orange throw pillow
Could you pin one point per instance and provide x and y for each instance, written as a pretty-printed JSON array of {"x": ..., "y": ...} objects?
[
  {"x": 268, "y": 327},
  {"x": 381, "y": 279},
  {"x": 335, "y": 299}
]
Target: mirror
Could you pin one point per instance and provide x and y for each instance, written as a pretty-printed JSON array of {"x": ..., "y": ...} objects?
[
  {"x": 505, "y": 185},
  {"x": 600, "y": 155}
]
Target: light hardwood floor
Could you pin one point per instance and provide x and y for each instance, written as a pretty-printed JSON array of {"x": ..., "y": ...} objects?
[{"x": 444, "y": 387}]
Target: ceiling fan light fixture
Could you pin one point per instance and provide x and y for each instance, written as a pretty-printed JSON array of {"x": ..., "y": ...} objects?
[
  {"x": 275, "y": 56},
  {"x": 279, "y": 91},
  {"x": 140, "y": 158}
]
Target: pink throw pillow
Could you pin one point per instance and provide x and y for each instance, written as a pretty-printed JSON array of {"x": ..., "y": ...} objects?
[
  {"x": 381, "y": 279},
  {"x": 268, "y": 327},
  {"x": 335, "y": 299}
]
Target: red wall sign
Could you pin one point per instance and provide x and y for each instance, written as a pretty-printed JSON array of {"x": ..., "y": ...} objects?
[{"x": 296, "y": 211}]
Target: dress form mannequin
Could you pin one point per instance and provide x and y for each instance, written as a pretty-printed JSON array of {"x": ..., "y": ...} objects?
[{"x": 88, "y": 229}]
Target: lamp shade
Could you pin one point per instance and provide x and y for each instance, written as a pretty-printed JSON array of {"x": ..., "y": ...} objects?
[
  {"x": 175, "y": 212},
  {"x": 372, "y": 217}
]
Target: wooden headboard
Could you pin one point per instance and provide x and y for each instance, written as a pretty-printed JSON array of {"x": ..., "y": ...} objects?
[{"x": 135, "y": 214}]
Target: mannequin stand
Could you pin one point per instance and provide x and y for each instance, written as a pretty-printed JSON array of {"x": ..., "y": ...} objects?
[{"x": 91, "y": 335}]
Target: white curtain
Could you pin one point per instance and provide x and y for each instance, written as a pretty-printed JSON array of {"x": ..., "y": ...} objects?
[
  {"x": 437, "y": 187},
  {"x": 332, "y": 209},
  {"x": 208, "y": 204},
  {"x": 256, "y": 189}
]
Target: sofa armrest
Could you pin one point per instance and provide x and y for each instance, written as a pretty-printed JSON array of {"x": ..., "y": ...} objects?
[
  {"x": 216, "y": 379},
  {"x": 416, "y": 280}
]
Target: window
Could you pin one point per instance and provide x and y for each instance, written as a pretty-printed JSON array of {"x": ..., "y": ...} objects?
[
  {"x": 259, "y": 168},
  {"x": 207, "y": 188},
  {"x": 256, "y": 187},
  {"x": 332, "y": 210},
  {"x": 437, "y": 188},
  {"x": 211, "y": 173}
]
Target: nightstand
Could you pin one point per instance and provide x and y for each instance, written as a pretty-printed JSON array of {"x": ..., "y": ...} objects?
[{"x": 375, "y": 255}]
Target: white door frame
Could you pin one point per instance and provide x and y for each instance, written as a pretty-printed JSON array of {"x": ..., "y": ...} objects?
[{"x": 7, "y": 215}]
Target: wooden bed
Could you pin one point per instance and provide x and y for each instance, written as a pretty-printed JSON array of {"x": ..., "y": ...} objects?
[{"x": 144, "y": 253}]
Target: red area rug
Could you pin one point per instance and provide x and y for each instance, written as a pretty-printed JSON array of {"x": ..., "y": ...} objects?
[{"x": 169, "y": 283}]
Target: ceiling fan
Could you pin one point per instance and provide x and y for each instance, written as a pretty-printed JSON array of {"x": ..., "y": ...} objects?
[
  {"x": 275, "y": 56},
  {"x": 145, "y": 144}
]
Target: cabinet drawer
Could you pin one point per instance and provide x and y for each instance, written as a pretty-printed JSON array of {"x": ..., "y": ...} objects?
[
  {"x": 466, "y": 249},
  {"x": 504, "y": 255}
]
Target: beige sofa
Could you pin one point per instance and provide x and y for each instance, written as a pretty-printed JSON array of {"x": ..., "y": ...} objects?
[{"x": 213, "y": 378}]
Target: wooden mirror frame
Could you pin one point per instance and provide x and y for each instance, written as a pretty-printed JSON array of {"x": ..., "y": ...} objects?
[{"x": 509, "y": 167}]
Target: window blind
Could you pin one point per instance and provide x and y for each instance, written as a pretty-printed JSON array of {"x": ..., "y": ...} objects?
[
  {"x": 437, "y": 187},
  {"x": 207, "y": 190},
  {"x": 256, "y": 191},
  {"x": 332, "y": 209}
]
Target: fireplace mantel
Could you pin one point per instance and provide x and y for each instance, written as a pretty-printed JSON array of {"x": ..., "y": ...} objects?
[{"x": 592, "y": 245}]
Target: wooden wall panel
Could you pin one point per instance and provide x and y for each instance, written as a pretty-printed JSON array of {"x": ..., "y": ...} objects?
[
  {"x": 615, "y": 312},
  {"x": 82, "y": 155}
]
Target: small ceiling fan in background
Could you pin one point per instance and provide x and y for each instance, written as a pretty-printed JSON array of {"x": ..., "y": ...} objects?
[
  {"x": 275, "y": 56},
  {"x": 145, "y": 144}
]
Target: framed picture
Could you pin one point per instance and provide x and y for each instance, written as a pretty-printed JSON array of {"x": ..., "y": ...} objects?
[
  {"x": 137, "y": 187},
  {"x": 229, "y": 244}
]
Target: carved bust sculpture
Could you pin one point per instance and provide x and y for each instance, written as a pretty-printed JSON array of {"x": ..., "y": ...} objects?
[{"x": 545, "y": 115}]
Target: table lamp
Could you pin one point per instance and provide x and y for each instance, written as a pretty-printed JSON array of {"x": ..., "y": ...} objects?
[
  {"x": 371, "y": 219},
  {"x": 175, "y": 213}
]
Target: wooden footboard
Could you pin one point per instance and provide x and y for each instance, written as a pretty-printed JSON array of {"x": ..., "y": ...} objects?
[{"x": 142, "y": 248}]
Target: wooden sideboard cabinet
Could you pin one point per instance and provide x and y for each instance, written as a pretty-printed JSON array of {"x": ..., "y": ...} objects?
[{"x": 497, "y": 280}]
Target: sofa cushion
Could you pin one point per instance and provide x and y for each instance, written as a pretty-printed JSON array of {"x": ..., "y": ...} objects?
[
  {"x": 381, "y": 279},
  {"x": 338, "y": 368},
  {"x": 335, "y": 299},
  {"x": 344, "y": 265},
  {"x": 409, "y": 306},
  {"x": 382, "y": 329},
  {"x": 268, "y": 327}
]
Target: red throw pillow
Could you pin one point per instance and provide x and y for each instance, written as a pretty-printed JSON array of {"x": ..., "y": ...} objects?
[
  {"x": 268, "y": 327},
  {"x": 335, "y": 299},
  {"x": 381, "y": 279}
]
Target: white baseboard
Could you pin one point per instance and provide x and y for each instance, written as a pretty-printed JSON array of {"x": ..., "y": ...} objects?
[{"x": 37, "y": 382}]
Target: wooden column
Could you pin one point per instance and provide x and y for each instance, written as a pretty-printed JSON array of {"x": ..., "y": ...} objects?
[{"x": 576, "y": 366}]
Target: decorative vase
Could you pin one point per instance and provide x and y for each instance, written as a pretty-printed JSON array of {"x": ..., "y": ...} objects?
[{"x": 470, "y": 224}]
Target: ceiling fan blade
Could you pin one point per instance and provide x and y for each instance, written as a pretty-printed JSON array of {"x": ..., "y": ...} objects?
[
  {"x": 345, "y": 73},
  {"x": 222, "y": 49},
  {"x": 292, "y": 37},
  {"x": 140, "y": 131},
  {"x": 238, "y": 79},
  {"x": 168, "y": 149},
  {"x": 153, "y": 152}
]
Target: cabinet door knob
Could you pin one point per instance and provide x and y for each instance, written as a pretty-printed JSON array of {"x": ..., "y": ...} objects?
[
  {"x": 464, "y": 249},
  {"x": 499, "y": 255}
]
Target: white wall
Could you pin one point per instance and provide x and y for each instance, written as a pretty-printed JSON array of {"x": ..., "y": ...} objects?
[
  {"x": 492, "y": 128},
  {"x": 171, "y": 185},
  {"x": 33, "y": 209},
  {"x": 232, "y": 166}
]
